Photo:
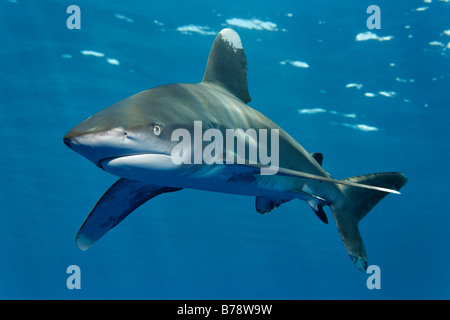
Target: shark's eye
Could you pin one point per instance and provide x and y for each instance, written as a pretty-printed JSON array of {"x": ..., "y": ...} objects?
[{"x": 157, "y": 129}]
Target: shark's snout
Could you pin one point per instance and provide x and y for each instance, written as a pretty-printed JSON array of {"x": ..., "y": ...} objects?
[
  {"x": 79, "y": 145},
  {"x": 68, "y": 142},
  {"x": 99, "y": 146}
]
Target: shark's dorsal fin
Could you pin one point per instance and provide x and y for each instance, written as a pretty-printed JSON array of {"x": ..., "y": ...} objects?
[
  {"x": 318, "y": 157},
  {"x": 227, "y": 65}
]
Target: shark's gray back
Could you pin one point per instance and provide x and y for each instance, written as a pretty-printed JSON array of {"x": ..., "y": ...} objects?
[{"x": 217, "y": 108}]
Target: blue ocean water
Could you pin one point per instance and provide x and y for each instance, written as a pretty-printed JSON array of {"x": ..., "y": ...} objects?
[{"x": 369, "y": 100}]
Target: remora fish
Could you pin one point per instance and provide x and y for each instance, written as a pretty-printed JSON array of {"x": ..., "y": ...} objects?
[{"x": 133, "y": 140}]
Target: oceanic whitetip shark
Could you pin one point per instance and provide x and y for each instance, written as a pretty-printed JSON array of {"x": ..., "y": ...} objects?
[{"x": 133, "y": 139}]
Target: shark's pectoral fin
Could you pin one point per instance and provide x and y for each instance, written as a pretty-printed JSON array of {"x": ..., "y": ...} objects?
[
  {"x": 265, "y": 204},
  {"x": 116, "y": 204}
]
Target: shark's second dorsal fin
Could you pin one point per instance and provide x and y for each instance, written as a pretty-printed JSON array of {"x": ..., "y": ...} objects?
[
  {"x": 318, "y": 157},
  {"x": 227, "y": 65}
]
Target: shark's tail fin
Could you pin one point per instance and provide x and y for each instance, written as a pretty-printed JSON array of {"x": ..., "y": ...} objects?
[{"x": 356, "y": 204}]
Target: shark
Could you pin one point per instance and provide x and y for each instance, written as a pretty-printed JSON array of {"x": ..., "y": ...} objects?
[{"x": 134, "y": 140}]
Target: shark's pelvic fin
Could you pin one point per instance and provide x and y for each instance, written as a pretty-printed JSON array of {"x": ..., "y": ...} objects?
[
  {"x": 227, "y": 65},
  {"x": 116, "y": 204},
  {"x": 265, "y": 204},
  {"x": 355, "y": 205}
]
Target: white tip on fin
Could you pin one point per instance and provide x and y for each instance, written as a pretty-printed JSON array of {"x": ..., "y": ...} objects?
[{"x": 232, "y": 38}]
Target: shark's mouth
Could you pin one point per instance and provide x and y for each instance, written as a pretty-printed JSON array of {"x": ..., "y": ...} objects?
[{"x": 138, "y": 162}]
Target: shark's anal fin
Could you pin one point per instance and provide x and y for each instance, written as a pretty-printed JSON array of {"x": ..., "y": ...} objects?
[
  {"x": 265, "y": 204},
  {"x": 318, "y": 210},
  {"x": 116, "y": 204},
  {"x": 316, "y": 203},
  {"x": 227, "y": 65}
]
